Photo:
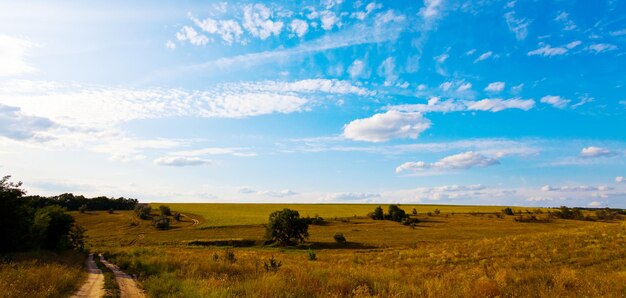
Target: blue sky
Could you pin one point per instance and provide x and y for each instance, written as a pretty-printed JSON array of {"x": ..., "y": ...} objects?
[{"x": 444, "y": 102}]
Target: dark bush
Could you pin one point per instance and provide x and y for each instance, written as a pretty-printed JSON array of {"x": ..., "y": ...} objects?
[
  {"x": 82, "y": 208},
  {"x": 272, "y": 265},
  {"x": 165, "y": 210},
  {"x": 396, "y": 214},
  {"x": 340, "y": 238},
  {"x": 414, "y": 211},
  {"x": 437, "y": 211},
  {"x": 312, "y": 255},
  {"x": 507, "y": 211},
  {"x": 177, "y": 216},
  {"x": 378, "y": 214},
  {"x": 51, "y": 226},
  {"x": 568, "y": 213},
  {"x": 143, "y": 211},
  {"x": 162, "y": 222}
]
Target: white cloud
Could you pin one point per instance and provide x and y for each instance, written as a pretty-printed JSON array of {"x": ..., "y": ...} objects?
[
  {"x": 13, "y": 52},
  {"x": 229, "y": 30},
  {"x": 483, "y": 56},
  {"x": 256, "y": 20},
  {"x": 556, "y": 101},
  {"x": 464, "y": 87},
  {"x": 299, "y": 27},
  {"x": 600, "y": 47},
  {"x": 620, "y": 179},
  {"x": 179, "y": 161},
  {"x": 464, "y": 160},
  {"x": 450, "y": 105},
  {"x": 495, "y": 87},
  {"x": 431, "y": 9},
  {"x": 585, "y": 99},
  {"x": 517, "y": 26},
  {"x": 595, "y": 204},
  {"x": 170, "y": 45},
  {"x": 592, "y": 151},
  {"x": 329, "y": 20},
  {"x": 549, "y": 51},
  {"x": 387, "y": 126},
  {"x": 269, "y": 193},
  {"x": 387, "y": 70},
  {"x": 618, "y": 32},
  {"x": 125, "y": 149},
  {"x": 369, "y": 8},
  {"x": 16, "y": 125},
  {"x": 356, "y": 69},
  {"x": 351, "y": 196},
  {"x": 189, "y": 34},
  {"x": 517, "y": 88},
  {"x": 563, "y": 18},
  {"x": 576, "y": 188},
  {"x": 234, "y": 151}
]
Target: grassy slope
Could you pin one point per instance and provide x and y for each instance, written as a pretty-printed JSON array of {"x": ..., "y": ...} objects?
[{"x": 250, "y": 214}]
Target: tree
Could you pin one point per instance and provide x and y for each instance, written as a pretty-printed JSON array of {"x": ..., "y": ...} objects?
[
  {"x": 15, "y": 216},
  {"x": 378, "y": 213},
  {"x": 287, "y": 228},
  {"x": 414, "y": 211},
  {"x": 51, "y": 227},
  {"x": 82, "y": 208},
  {"x": 507, "y": 211},
  {"x": 165, "y": 210},
  {"x": 396, "y": 214},
  {"x": 77, "y": 237},
  {"x": 143, "y": 211}
]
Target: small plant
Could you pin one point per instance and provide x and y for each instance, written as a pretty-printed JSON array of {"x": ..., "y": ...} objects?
[
  {"x": 143, "y": 211},
  {"x": 165, "y": 210},
  {"x": 414, "y": 211},
  {"x": 272, "y": 265},
  {"x": 111, "y": 211},
  {"x": 162, "y": 222},
  {"x": 177, "y": 216},
  {"x": 437, "y": 211},
  {"x": 82, "y": 208},
  {"x": 312, "y": 255},
  {"x": 229, "y": 255},
  {"x": 339, "y": 238},
  {"x": 507, "y": 211},
  {"x": 216, "y": 257}
]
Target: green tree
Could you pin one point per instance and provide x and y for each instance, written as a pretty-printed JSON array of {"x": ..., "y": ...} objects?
[
  {"x": 15, "y": 216},
  {"x": 51, "y": 227},
  {"x": 287, "y": 228},
  {"x": 143, "y": 211},
  {"x": 77, "y": 237},
  {"x": 162, "y": 222},
  {"x": 396, "y": 214},
  {"x": 508, "y": 211}
]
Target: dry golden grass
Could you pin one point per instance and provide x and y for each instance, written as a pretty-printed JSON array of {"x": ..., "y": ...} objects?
[
  {"x": 458, "y": 255},
  {"x": 42, "y": 274}
]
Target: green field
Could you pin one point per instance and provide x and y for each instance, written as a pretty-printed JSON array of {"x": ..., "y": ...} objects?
[{"x": 219, "y": 215}]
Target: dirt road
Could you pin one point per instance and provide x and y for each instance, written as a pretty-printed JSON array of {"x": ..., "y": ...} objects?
[
  {"x": 94, "y": 286},
  {"x": 128, "y": 286}
]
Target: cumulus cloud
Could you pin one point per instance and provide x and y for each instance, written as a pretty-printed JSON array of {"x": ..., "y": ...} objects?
[
  {"x": 386, "y": 126},
  {"x": 592, "y": 151},
  {"x": 556, "y": 101},
  {"x": 192, "y": 36},
  {"x": 170, "y": 45},
  {"x": 257, "y": 21},
  {"x": 597, "y": 48},
  {"x": 180, "y": 161},
  {"x": 549, "y": 51},
  {"x": 464, "y": 160},
  {"x": 431, "y": 9},
  {"x": 495, "y": 87},
  {"x": 16, "y": 125},
  {"x": 369, "y": 8},
  {"x": 229, "y": 30},
  {"x": 620, "y": 179},
  {"x": 13, "y": 52},
  {"x": 576, "y": 188},
  {"x": 299, "y": 27}
]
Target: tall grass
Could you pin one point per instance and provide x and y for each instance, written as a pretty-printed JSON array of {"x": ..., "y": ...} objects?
[
  {"x": 589, "y": 261},
  {"x": 41, "y": 274}
]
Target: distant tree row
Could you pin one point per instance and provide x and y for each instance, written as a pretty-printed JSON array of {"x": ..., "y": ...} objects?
[
  {"x": 394, "y": 213},
  {"x": 24, "y": 225},
  {"x": 80, "y": 203}
]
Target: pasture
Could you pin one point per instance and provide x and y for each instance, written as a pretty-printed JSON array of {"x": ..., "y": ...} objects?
[{"x": 453, "y": 254}]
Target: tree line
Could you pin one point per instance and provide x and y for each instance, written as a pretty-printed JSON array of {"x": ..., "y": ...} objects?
[{"x": 78, "y": 202}]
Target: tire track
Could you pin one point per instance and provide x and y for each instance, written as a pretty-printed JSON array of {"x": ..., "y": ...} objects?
[{"x": 94, "y": 286}]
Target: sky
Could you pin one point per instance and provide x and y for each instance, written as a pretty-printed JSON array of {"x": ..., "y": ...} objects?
[{"x": 433, "y": 102}]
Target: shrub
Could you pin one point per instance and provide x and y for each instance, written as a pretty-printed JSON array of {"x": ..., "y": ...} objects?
[
  {"x": 177, "y": 216},
  {"x": 437, "y": 211},
  {"x": 568, "y": 213},
  {"x": 83, "y": 208},
  {"x": 162, "y": 222},
  {"x": 51, "y": 227},
  {"x": 312, "y": 255},
  {"x": 507, "y": 211},
  {"x": 76, "y": 237},
  {"x": 378, "y": 214},
  {"x": 143, "y": 211},
  {"x": 414, "y": 211},
  {"x": 396, "y": 214},
  {"x": 111, "y": 211},
  {"x": 229, "y": 255},
  {"x": 287, "y": 228},
  {"x": 272, "y": 265},
  {"x": 339, "y": 238},
  {"x": 316, "y": 220},
  {"x": 165, "y": 210}
]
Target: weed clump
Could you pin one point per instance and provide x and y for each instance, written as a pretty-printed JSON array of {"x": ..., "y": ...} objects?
[
  {"x": 272, "y": 265},
  {"x": 340, "y": 238},
  {"x": 312, "y": 255}
]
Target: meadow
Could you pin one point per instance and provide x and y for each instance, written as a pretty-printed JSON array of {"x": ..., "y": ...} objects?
[{"x": 461, "y": 252}]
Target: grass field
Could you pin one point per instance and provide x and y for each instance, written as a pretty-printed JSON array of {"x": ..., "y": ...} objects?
[
  {"x": 216, "y": 215},
  {"x": 41, "y": 274},
  {"x": 454, "y": 254}
]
